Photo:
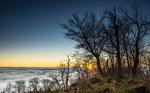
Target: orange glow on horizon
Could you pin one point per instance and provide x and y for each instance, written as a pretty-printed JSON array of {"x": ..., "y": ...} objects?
[
  {"x": 31, "y": 57},
  {"x": 28, "y": 61}
]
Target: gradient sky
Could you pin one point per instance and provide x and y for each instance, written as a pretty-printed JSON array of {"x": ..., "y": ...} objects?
[{"x": 30, "y": 34}]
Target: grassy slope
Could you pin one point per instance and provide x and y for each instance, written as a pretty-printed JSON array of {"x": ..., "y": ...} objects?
[{"x": 108, "y": 85}]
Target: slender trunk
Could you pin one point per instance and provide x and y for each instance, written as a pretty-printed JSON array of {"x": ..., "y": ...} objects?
[
  {"x": 136, "y": 61},
  {"x": 119, "y": 67},
  {"x": 128, "y": 63},
  {"x": 107, "y": 67},
  {"x": 98, "y": 65},
  {"x": 112, "y": 64},
  {"x": 67, "y": 76}
]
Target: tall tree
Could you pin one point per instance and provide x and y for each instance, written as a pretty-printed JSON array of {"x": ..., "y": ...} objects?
[
  {"x": 87, "y": 32},
  {"x": 140, "y": 26},
  {"x": 113, "y": 34}
]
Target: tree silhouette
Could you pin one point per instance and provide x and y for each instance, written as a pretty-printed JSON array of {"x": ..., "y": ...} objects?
[
  {"x": 139, "y": 29},
  {"x": 87, "y": 32},
  {"x": 113, "y": 34},
  {"x": 119, "y": 34}
]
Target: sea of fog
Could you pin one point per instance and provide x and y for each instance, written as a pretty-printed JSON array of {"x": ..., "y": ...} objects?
[{"x": 13, "y": 74}]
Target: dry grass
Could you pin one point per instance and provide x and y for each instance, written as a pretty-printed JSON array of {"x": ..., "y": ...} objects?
[{"x": 107, "y": 85}]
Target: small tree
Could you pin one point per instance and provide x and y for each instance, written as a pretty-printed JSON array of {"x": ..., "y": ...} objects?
[
  {"x": 48, "y": 85},
  {"x": 34, "y": 84},
  {"x": 8, "y": 88},
  {"x": 20, "y": 86}
]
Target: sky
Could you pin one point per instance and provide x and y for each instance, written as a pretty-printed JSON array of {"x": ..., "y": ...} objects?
[{"x": 30, "y": 31}]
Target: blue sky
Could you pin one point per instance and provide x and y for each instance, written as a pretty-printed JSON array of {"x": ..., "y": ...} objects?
[{"x": 32, "y": 26}]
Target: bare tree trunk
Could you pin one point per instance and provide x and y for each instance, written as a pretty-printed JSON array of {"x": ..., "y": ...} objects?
[
  {"x": 107, "y": 67},
  {"x": 136, "y": 61},
  {"x": 98, "y": 65},
  {"x": 67, "y": 74},
  {"x": 119, "y": 67},
  {"x": 128, "y": 62},
  {"x": 112, "y": 69}
]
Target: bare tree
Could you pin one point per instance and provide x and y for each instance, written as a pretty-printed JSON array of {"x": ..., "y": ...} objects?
[
  {"x": 8, "y": 88},
  {"x": 20, "y": 86},
  {"x": 82, "y": 62},
  {"x": 67, "y": 70},
  {"x": 48, "y": 85},
  {"x": 61, "y": 79},
  {"x": 77, "y": 63},
  {"x": 56, "y": 78},
  {"x": 114, "y": 26},
  {"x": 34, "y": 84},
  {"x": 86, "y": 31},
  {"x": 140, "y": 26}
]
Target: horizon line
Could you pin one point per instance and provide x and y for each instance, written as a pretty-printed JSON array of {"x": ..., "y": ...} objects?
[{"x": 25, "y": 67}]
